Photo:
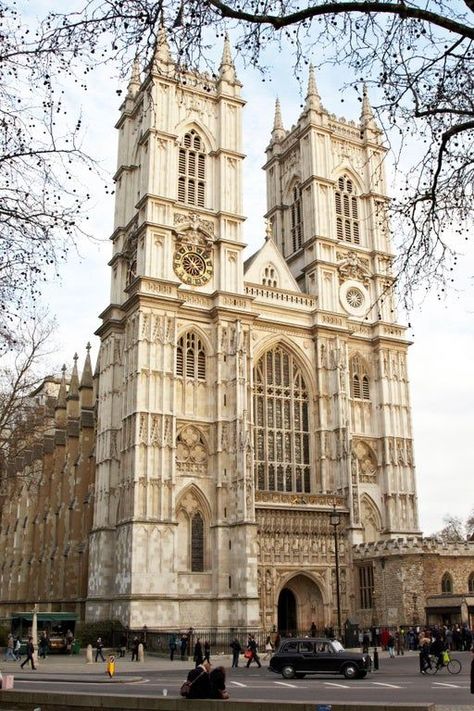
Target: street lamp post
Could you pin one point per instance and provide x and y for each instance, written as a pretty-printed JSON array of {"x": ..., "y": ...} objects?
[{"x": 335, "y": 520}]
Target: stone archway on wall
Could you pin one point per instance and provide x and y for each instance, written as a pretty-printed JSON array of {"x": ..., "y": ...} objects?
[{"x": 300, "y": 603}]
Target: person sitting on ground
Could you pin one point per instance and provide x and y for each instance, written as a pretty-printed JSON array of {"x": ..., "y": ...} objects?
[
  {"x": 217, "y": 679},
  {"x": 200, "y": 682}
]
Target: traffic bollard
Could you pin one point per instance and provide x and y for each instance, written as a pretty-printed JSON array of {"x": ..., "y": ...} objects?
[{"x": 376, "y": 659}]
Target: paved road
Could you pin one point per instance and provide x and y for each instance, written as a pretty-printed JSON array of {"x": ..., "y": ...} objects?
[{"x": 398, "y": 680}]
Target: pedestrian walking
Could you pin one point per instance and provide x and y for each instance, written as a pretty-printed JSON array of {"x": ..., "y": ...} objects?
[
  {"x": 10, "y": 649},
  {"x": 30, "y": 650},
  {"x": 207, "y": 651},
  {"x": 43, "y": 645},
  {"x": 253, "y": 650},
  {"x": 99, "y": 646},
  {"x": 198, "y": 656},
  {"x": 135, "y": 645},
  {"x": 425, "y": 661},
  {"x": 391, "y": 645},
  {"x": 123, "y": 645},
  {"x": 183, "y": 644},
  {"x": 268, "y": 648},
  {"x": 236, "y": 650},
  {"x": 172, "y": 646},
  {"x": 16, "y": 649}
]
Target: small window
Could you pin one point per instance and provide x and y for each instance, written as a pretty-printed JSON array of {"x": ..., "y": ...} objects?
[
  {"x": 290, "y": 647},
  {"x": 470, "y": 583},
  {"x": 446, "y": 583},
  {"x": 359, "y": 379},
  {"x": 306, "y": 647}
]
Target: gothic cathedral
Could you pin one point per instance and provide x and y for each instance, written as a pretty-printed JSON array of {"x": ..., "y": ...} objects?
[{"x": 242, "y": 403}]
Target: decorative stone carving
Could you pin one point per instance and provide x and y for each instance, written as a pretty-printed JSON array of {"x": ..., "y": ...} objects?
[
  {"x": 351, "y": 266},
  {"x": 191, "y": 450}
]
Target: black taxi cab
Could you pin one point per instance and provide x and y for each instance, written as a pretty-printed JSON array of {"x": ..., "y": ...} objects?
[{"x": 299, "y": 656}]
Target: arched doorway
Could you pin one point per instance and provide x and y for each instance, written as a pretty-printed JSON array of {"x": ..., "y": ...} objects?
[
  {"x": 287, "y": 621},
  {"x": 300, "y": 604}
]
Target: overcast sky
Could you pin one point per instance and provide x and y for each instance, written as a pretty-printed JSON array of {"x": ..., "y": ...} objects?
[{"x": 441, "y": 359}]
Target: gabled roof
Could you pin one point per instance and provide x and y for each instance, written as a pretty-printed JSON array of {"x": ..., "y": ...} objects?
[{"x": 269, "y": 254}]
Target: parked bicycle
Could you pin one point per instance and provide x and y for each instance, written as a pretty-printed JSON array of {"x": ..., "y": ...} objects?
[{"x": 453, "y": 666}]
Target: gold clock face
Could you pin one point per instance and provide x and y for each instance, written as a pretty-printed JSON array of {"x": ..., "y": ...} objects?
[{"x": 193, "y": 265}]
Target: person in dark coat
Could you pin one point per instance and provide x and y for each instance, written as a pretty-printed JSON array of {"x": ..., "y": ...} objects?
[
  {"x": 135, "y": 644},
  {"x": 183, "y": 645},
  {"x": 236, "y": 649},
  {"x": 472, "y": 671},
  {"x": 252, "y": 647},
  {"x": 198, "y": 658},
  {"x": 217, "y": 679},
  {"x": 30, "y": 650},
  {"x": 99, "y": 646},
  {"x": 201, "y": 683},
  {"x": 207, "y": 651}
]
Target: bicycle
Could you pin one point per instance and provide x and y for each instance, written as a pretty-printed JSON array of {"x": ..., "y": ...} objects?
[{"x": 453, "y": 666}]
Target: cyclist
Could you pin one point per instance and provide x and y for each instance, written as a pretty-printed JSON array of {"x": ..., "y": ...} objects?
[
  {"x": 437, "y": 649},
  {"x": 425, "y": 661}
]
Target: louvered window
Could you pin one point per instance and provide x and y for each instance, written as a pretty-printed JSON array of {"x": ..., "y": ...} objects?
[
  {"x": 281, "y": 432},
  {"x": 296, "y": 219},
  {"x": 192, "y": 170},
  {"x": 191, "y": 357},
  {"x": 347, "y": 211},
  {"x": 359, "y": 379}
]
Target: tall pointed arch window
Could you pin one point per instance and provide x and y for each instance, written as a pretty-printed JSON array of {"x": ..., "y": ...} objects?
[
  {"x": 281, "y": 432},
  {"x": 191, "y": 357},
  {"x": 192, "y": 170},
  {"x": 347, "y": 211},
  {"x": 297, "y": 232},
  {"x": 360, "y": 383},
  {"x": 197, "y": 543}
]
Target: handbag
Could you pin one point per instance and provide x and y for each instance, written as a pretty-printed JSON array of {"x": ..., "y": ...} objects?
[
  {"x": 248, "y": 654},
  {"x": 186, "y": 686}
]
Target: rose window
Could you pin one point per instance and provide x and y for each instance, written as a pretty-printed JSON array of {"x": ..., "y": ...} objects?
[{"x": 355, "y": 298}]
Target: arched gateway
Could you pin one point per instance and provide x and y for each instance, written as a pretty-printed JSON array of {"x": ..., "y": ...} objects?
[{"x": 300, "y": 603}]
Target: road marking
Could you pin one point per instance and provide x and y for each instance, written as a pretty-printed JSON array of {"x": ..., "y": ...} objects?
[
  {"x": 451, "y": 686},
  {"x": 284, "y": 683},
  {"x": 341, "y": 686},
  {"x": 392, "y": 686},
  {"x": 237, "y": 683}
]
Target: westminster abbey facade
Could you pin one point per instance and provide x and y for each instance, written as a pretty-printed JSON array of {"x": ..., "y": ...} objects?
[{"x": 239, "y": 404}]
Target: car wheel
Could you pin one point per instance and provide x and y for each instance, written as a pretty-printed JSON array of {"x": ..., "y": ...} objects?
[
  {"x": 299, "y": 675},
  {"x": 288, "y": 672},
  {"x": 350, "y": 671}
]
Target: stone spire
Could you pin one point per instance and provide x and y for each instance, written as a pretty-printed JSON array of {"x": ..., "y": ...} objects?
[
  {"x": 73, "y": 393},
  {"x": 135, "y": 81},
  {"x": 313, "y": 100},
  {"x": 278, "y": 132},
  {"x": 86, "y": 379},
  {"x": 162, "y": 56},
  {"x": 367, "y": 118},
  {"x": 227, "y": 69},
  {"x": 61, "y": 401}
]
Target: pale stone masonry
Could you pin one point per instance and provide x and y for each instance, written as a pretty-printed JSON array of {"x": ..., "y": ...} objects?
[{"x": 237, "y": 403}]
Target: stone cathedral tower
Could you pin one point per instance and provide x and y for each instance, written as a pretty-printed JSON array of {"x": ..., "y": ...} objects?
[{"x": 239, "y": 403}]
